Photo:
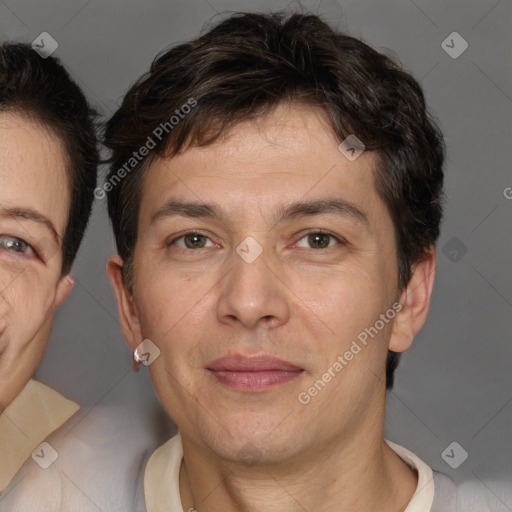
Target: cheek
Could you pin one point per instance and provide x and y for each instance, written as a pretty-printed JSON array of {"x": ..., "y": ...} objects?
[
  {"x": 178, "y": 315},
  {"x": 25, "y": 307},
  {"x": 349, "y": 302},
  {"x": 5, "y": 313},
  {"x": 342, "y": 301},
  {"x": 168, "y": 303}
]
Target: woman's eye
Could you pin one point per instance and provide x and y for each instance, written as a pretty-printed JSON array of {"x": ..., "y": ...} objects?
[
  {"x": 318, "y": 240},
  {"x": 13, "y": 244},
  {"x": 191, "y": 241}
]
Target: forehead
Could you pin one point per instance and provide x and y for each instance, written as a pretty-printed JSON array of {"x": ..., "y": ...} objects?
[
  {"x": 291, "y": 154},
  {"x": 33, "y": 169}
]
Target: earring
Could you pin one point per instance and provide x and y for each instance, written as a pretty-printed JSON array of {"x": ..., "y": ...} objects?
[{"x": 136, "y": 361}]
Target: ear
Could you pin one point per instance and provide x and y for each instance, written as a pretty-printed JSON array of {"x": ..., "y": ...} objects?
[
  {"x": 415, "y": 301},
  {"x": 64, "y": 288},
  {"x": 128, "y": 317}
]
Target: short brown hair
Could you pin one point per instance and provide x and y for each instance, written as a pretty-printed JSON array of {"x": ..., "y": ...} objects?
[{"x": 250, "y": 63}]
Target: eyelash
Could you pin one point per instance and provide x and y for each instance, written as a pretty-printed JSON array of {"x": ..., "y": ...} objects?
[{"x": 338, "y": 238}]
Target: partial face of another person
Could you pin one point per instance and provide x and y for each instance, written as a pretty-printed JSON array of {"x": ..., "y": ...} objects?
[
  {"x": 253, "y": 300},
  {"x": 34, "y": 206}
]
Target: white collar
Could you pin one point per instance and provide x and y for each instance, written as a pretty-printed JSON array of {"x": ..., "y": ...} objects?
[{"x": 165, "y": 463}]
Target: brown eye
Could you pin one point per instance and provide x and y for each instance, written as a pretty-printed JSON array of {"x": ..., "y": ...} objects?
[
  {"x": 318, "y": 240},
  {"x": 192, "y": 240}
]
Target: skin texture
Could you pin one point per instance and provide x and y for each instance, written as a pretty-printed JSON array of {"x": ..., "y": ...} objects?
[
  {"x": 32, "y": 173},
  {"x": 296, "y": 301}
]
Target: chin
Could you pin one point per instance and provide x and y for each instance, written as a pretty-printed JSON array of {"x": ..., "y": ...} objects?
[{"x": 252, "y": 441}]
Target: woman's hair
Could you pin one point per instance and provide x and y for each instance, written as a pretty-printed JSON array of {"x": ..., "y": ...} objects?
[
  {"x": 41, "y": 90},
  {"x": 246, "y": 66}
]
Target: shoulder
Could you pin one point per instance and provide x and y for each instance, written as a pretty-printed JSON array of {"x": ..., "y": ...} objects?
[
  {"x": 101, "y": 454},
  {"x": 469, "y": 496},
  {"x": 33, "y": 490},
  {"x": 104, "y": 457}
]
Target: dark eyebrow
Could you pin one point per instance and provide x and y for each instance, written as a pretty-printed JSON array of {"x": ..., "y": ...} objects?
[
  {"x": 338, "y": 206},
  {"x": 31, "y": 215},
  {"x": 284, "y": 212},
  {"x": 187, "y": 209}
]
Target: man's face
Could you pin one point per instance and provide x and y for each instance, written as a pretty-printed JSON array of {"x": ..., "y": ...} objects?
[
  {"x": 34, "y": 203},
  {"x": 201, "y": 291}
]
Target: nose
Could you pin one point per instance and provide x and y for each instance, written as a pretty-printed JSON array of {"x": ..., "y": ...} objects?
[{"x": 253, "y": 293}]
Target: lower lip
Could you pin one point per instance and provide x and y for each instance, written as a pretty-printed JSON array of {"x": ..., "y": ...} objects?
[{"x": 254, "y": 381}]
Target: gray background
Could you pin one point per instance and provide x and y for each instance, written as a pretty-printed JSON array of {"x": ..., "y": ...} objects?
[{"x": 455, "y": 384}]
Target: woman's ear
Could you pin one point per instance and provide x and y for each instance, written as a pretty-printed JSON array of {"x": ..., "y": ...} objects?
[
  {"x": 128, "y": 317},
  {"x": 415, "y": 301},
  {"x": 64, "y": 288}
]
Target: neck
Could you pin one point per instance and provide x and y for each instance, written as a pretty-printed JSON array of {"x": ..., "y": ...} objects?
[{"x": 361, "y": 475}]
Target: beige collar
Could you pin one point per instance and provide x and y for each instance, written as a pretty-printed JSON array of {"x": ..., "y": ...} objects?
[
  {"x": 162, "y": 489},
  {"x": 424, "y": 495},
  {"x": 33, "y": 415}
]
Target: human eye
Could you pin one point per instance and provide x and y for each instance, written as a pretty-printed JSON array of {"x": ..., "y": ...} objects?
[
  {"x": 190, "y": 240},
  {"x": 15, "y": 245},
  {"x": 320, "y": 239}
]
